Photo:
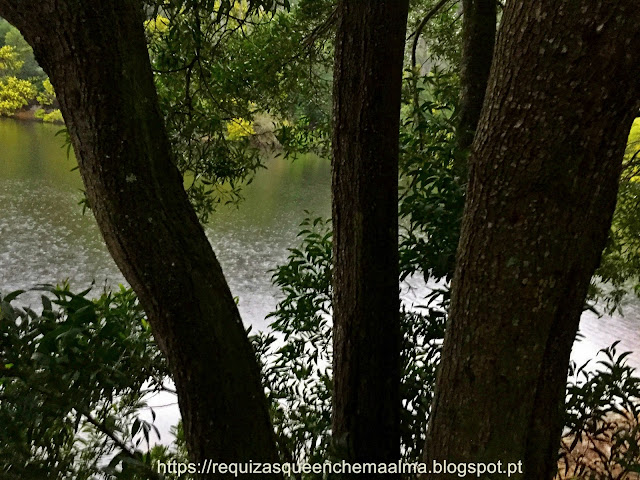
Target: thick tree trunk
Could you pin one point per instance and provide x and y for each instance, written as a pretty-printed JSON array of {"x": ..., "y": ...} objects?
[
  {"x": 95, "y": 54},
  {"x": 478, "y": 38},
  {"x": 543, "y": 182},
  {"x": 367, "y": 78}
]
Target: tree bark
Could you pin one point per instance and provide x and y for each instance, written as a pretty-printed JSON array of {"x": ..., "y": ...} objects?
[
  {"x": 367, "y": 84},
  {"x": 478, "y": 39},
  {"x": 543, "y": 180},
  {"x": 95, "y": 54}
]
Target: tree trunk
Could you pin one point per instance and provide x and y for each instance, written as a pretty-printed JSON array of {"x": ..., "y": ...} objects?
[
  {"x": 543, "y": 180},
  {"x": 367, "y": 84},
  {"x": 478, "y": 38},
  {"x": 95, "y": 54}
]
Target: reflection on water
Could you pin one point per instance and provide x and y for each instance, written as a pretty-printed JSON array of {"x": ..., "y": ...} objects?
[
  {"x": 44, "y": 238},
  {"x": 602, "y": 332},
  {"x": 253, "y": 238}
]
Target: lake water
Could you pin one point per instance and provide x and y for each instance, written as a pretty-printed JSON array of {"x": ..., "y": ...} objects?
[{"x": 45, "y": 238}]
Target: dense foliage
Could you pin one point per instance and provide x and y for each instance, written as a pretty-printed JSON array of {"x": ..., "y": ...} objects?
[
  {"x": 618, "y": 272},
  {"x": 602, "y": 433},
  {"x": 22, "y": 81},
  {"x": 235, "y": 79},
  {"x": 74, "y": 378}
]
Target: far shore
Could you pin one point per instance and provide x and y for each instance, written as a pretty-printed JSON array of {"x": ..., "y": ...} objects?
[{"x": 28, "y": 114}]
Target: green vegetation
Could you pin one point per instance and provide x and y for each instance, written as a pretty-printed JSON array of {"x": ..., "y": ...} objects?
[
  {"x": 22, "y": 81},
  {"x": 217, "y": 75},
  {"x": 618, "y": 272},
  {"x": 14, "y": 94},
  {"x": 73, "y": 380},
  {"x": 75, "y": 377}
]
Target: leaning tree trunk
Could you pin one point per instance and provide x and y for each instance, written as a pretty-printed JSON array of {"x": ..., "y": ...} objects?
[
  {"x": 478, "y": 38},
  {"x": 95, "y": 54},
  {"x": 367, "y": 83},
  {"x": 543, "y": 181}
]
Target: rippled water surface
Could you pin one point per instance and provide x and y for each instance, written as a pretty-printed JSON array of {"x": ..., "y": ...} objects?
[{"x": 45, "y": 238}]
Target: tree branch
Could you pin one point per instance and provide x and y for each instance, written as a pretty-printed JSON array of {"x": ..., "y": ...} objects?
[
  {"x": 423, "y": 23},
  {"x": 102, "y": 427}
]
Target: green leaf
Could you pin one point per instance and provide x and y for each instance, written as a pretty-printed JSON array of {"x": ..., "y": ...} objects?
[{"x": 12, "y": 296}]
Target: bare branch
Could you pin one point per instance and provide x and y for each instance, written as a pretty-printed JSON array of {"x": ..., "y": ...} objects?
[{"x": 423, "y": 23}]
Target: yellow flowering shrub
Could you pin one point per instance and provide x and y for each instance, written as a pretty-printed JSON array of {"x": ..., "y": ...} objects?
[
  {"x": 10, "y": 62},
  {"x": 156, "y": 27},
  {"x": 15, "y": 94},
  {"x": 239, "y": 128},
  {"x": 48, "y": 96}
]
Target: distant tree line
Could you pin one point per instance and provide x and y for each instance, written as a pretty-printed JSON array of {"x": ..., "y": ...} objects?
[{"x": 22, "y": 82}]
